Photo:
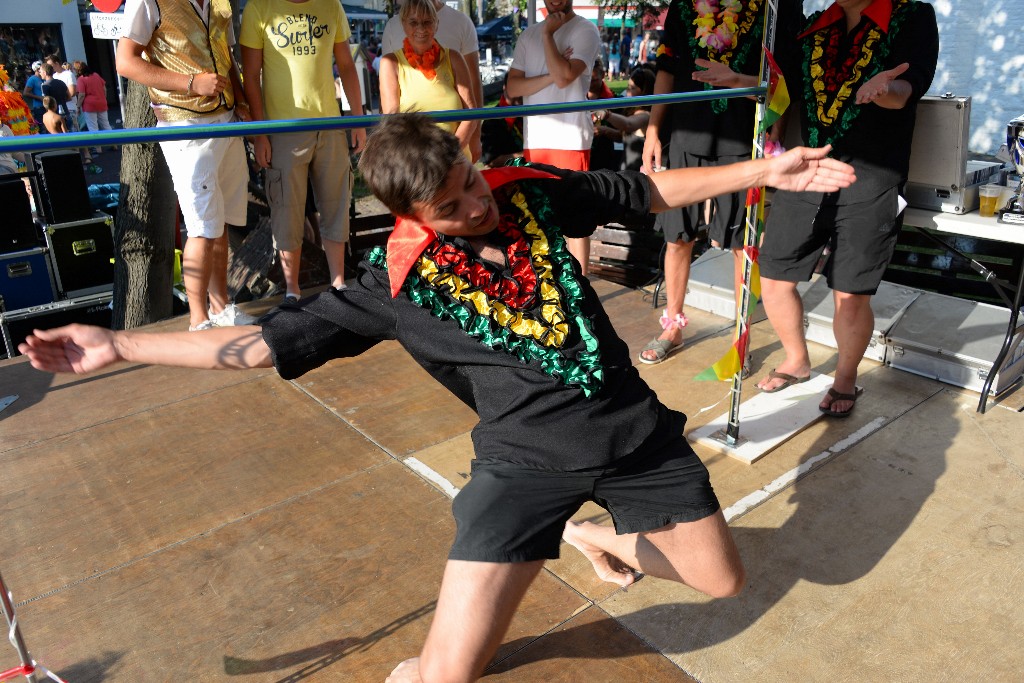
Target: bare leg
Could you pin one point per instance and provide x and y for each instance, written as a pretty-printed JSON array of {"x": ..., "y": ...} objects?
[
  {"x": 785, "y": 312},
  {"x": 474, "y": 609},
  {"x": 580, "y": 248},
  {"x": 700, "y": 554},
  {"x": 197, "y": 258},
  {"x": 335, "y": 261},
  {"x": 219, "y": 273},
  {"x": 852, "y": 327},
  {"x": 678, "y": 256},
  {"x": 291, "y": 264}
]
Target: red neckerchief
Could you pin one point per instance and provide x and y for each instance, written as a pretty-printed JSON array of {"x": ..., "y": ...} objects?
[
  {"x": 424, "y": 63},
  {"x": 409, "y": 239},
  {"x": 879, "y": 11}
]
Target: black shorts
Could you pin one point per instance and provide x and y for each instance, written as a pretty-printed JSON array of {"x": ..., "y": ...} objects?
[
  {"x": 727, "y": 214},
  {"x": 861, "y": 235},
  {"x": 511, "y": 513}
]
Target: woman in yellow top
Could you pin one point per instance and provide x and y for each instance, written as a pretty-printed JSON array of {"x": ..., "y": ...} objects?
[{"x": 425, "y": 77}]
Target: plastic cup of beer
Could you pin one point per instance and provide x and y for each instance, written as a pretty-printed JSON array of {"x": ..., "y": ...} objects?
[{"x": 988, "y": 200}]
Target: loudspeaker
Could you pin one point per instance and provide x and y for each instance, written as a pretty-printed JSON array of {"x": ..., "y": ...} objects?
[
  {"x": 18, "y": 231},
  {"x": 65, "y": 194},
  {"x": 82, "y": 253},
  {"x": 88, "y": 310}
]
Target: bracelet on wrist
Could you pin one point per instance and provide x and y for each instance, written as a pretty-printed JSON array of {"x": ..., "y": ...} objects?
[{"x": 191, "y": 79}]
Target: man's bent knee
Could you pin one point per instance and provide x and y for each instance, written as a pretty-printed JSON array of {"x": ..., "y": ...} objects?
[{"x": 729, "y": 585}]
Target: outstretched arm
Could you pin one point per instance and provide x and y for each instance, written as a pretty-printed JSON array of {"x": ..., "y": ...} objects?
[
  {"x": 82, "y": 349},
  {"x": 801, "y": 169}
]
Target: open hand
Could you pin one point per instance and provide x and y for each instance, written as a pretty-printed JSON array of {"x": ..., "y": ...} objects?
[
  {"x": 75, "y": 348},
  {"x": 805, "y": 169},
  {"x": 878, "y": 85},
  {"x": 715, "y": 73}
]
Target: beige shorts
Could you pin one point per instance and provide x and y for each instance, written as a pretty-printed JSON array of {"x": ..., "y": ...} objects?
[
  {"x": 211, "y": 179},
  {"x": 318, "y": 156}
]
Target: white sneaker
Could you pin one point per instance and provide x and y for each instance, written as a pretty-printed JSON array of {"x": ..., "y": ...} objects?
[
  {"x": 231, "y": 315},
  {"x": 205, "y": 325}
]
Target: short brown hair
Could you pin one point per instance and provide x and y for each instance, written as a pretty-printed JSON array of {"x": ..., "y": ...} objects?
[{"x": 407, "y": 160}]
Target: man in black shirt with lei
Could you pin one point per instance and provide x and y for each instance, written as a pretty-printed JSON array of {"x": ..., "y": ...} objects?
[
  {"x": 477, "y": 284},
  {"x": 857, "y": 73}
]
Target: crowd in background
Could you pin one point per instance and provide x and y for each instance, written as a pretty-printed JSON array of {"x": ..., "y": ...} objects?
[{"x": 428, "y": 60}]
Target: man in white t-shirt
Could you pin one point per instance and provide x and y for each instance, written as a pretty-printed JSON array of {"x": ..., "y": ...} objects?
[
  {"x": 541, "y": 73},
  {"x": 68, "y": 77},
  {"x": 455, "y": 31},
  {"x": 193, "y": 80}
]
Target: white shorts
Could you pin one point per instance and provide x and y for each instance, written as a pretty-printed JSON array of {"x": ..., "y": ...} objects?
[{"x": 211, "y": 179}]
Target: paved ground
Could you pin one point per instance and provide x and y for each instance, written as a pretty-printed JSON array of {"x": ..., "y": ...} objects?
[{"x": 163, "y": 524}]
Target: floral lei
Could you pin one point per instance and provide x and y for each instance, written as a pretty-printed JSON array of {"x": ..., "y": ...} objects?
[
  {"x": 425, "y": 63},
  {"x": 719, "y": 30},
  {"x": 826, "y": 73},
  {"x": 531, "y": 311}
]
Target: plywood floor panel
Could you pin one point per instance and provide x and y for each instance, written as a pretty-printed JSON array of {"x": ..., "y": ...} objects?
[
  {"x": 892, "y": 562},
  {"x": 82, "y": 503},
  {"x": 337, "y": 585},
  {"x": 52, "y": 405}
]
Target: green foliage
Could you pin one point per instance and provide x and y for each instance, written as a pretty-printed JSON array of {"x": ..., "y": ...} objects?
[{"x": 637, "y": 11}]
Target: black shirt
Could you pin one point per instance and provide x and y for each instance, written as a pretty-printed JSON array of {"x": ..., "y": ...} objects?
[
  {"x": 875, "y": 140},
  {"x": 58, "y": 90},
  {"x": 527, "y": 346},
  {"x": 726, "y": 128}
]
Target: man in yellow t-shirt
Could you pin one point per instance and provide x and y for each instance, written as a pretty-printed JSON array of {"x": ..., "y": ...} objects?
[{"x": 288, "y": 52}]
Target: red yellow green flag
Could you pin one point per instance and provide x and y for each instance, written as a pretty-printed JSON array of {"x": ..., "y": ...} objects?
[
  {"x": 777, "y": 99},
  {"x": 732, "y": 362}
]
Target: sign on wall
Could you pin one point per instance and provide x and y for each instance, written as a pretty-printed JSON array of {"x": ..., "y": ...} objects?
[{"x": 106, "y": 26}]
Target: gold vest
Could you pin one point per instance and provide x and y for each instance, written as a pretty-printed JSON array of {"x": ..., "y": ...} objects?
[{"x": 183, "y": 43}]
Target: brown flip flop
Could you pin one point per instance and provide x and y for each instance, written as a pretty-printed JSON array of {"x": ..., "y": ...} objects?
[
  {"x": 787, "y": 380},
  {"x": 838, "y": 396}
]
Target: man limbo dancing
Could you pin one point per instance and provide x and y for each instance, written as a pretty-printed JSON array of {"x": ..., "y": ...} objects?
[{"x": 477, "y": 284}]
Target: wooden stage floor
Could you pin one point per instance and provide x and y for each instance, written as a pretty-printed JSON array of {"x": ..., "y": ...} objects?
[{"x": 176, "y": 525}]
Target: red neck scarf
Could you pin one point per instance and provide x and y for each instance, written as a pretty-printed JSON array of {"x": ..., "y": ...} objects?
[
  {"x": 409, "y": 239},
  {"x": 425, "y": 63}
]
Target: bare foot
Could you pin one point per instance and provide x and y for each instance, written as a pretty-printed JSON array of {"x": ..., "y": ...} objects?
[
  {"x": 406, "y": 672},
  {"x": 608, "y": 567}
]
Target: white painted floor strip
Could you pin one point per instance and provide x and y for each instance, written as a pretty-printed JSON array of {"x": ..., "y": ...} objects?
[
  {"x": 431, "y": 476},
  {"x": 750, "y": 501},
  {"x": 734, "y": 511}
]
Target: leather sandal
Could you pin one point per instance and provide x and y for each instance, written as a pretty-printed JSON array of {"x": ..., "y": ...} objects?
[
  {"x": 663, "y": 347},
  {"x": 838, "y": 396},
  {"x": 787, "y": 380}
]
